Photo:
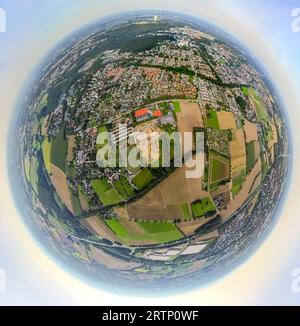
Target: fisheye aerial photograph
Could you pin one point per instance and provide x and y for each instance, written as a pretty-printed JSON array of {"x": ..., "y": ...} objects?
[{"x": 148, "y": 155}]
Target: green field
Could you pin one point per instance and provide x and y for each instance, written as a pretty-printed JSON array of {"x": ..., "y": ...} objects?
[
  {"x": 34, "y": 179},
  {"x": 237, "y": 183},
  {"x": 143, "y": 178},
  {"x": 218, "y": 168},
  {"x": 154, "y": 231},
  {"x": 245, "y": 91},
  {"x": 202, "y": 207},
  {"x": 161, "y": 232},
  {"x": 106, "y": 193},
  {"x": 71, "y": 171},
  {"x": 262, "y": 113},
  {"x": 211, "y": 121},
  {"x": 250, "y": 156},
  {"x": 177, "y": 107},
  {"x": 46, "y": 150},
  {"x": 75, "y": 203},
  {"x": 124, "y": 188},
  {"x": 185, "y": 209},
  {"x": 59, "y": 148},
  {"x": 118, "y": 228}
]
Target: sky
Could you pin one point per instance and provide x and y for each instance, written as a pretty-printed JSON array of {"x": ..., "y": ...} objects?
[{"x": 32, "y": 28}]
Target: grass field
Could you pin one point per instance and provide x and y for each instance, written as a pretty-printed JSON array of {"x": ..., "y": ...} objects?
[
  {"x": 237, "y": 183},
  {"x": 46, "y": 150},
  {"x": 143, "y": 178},
  {"x": 162, "y": 232},
  {"x": 211, "y": 121},
  {"x": 106, "y": 193},
  {"x": 156, "y": 232},
  {"x": 177, "y": 107},
  {"x": 124, "y": 188},
  {"x": 250, "y": 147},
  {"x": 262, "y": 113},
  {"x": 59, "y": 148},
  {"x": 218, "y": 168},
  {"x": 185, "y": 209},
  {"x": 83, "y": 198},
  {"x": 203, "y": 206},
  {"x": 118, "y": 228},
  {"x": 245, "y": 91},
  {"x": 75, "y": 203}
]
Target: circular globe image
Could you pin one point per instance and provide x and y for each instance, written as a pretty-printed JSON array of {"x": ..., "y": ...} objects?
[{"x": 152, "y": 152}]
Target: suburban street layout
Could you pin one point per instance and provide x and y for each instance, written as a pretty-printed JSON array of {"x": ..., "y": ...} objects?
[{"x": 145, "y": 224}]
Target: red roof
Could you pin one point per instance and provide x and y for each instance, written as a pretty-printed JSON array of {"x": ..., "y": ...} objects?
[
  {"x": 157, "y": 113},
  {"x": 141, "y": 112}
]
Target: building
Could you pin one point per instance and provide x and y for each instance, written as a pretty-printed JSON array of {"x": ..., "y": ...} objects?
[{"x": 142, "y": 115}]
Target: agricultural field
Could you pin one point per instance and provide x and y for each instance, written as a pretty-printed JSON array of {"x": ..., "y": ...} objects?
[
  {"x": 60, "y": 183},
  {"x": 250, "y": 130},
  {"x": 211, "y": 121},
  {"x": 251, "y": 156},
  {"x": 148, "y": 232},
  {"x": 202, "y": 207},
  {"x": 46, "y": 150},
  {"x": 238, "y": 153},
  {"x": 261, "y": 112},
  {"x": 164, "y": 201},
  {"x": 185, "y": 209},
  {"x": 83, "y": 198},
  {"x": 75, "y": 203},
  {"x": 106, "y": 193},
  {"x": 71, "y": 144},
  {"x": 226, "y": 120},
  {"x": 124, "y": 188},
  {"x": 237, "y": 183},
  {"x": 59, "y": 147},
  {"x": 143, "y": 178}
]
